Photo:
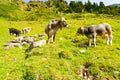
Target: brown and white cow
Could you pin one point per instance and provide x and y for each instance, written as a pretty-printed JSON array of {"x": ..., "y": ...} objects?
[
  {"x": 25, "y": 30},
  {"x": 97, "y": 30},
  {"x": 53, "y": 26}
]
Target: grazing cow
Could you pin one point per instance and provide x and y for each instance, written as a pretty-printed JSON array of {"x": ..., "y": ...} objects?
[
  {"x": 14, "y": 31},
  {"x": 53, "y": 26},
  {"x": 25, "y": 30},
  {"x": 97, "y": 30}
]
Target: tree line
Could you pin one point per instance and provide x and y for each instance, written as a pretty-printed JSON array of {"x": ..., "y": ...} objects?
[
  {"x": 80, "y": 7},
  {"x": 20, "y": 10},
  {"x": 74, "y": 6}
]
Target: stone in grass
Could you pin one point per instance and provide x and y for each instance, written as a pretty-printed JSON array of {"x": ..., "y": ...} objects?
[
  {"x": 116, "y": 72},
  {"x": 82, "y": 51},
  {"x": 60, "y": 38},
  {"x": 11, "y": 45},
  {"x": 38, "y": 43}
]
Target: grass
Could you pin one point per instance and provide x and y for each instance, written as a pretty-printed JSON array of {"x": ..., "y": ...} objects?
[{"x": 63, "y": 59}]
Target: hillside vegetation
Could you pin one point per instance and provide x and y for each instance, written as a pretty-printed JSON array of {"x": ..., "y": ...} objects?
[
  {"x": 62, "y": 60},
  {"x": 115, "y": 5}
]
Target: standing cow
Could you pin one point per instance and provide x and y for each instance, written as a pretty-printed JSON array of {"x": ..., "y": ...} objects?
[
  {"x": 96, "y": 30},
  {"x": 13, "y": 31},
  {"x": 25, "y": 30},
  {"x": 53, "y": 26}
]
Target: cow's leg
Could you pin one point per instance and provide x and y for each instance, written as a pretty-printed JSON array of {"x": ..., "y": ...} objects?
[
  {"x": 107, "y": 41},
  {"x": 54, "y": 37},
  {"x": 23, "y": 32},
  {"x": 11, "y": 33},
  {"x": 89, "y": 40},
  {"x": 94, "y": 39},
  {"x": 48, "y": 38},
  {"x": 110, "y": 39},
  {"x": 16, "y": 34}
]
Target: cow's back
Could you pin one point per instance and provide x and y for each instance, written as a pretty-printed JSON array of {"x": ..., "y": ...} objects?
[
  {"x": 108, "y": 28},
  {"x": 52, "y": 25},
  {"x": 103, "y": 28}
]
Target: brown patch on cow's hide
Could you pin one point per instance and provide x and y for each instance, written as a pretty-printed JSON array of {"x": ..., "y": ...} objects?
[{"x": 51, "y": 33}]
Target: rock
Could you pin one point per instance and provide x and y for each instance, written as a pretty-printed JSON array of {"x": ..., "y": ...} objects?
[
  {"x": 116, "y": 72},
  {"x": 82, "y": 51},
  {"x": 11, "y": 45},
  {"x": 60, "y": 38},
  {"x": 39, "y": 43},
  {"x": 36, "y": 44}
]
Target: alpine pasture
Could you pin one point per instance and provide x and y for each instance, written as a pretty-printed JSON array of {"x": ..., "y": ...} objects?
[{"x": 45, "y": 61}]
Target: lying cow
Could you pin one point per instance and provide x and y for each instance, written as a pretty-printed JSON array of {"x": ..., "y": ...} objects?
[
  {"x": 53, "y": 26},
  {"x": 14, "y": 31},
  {"x": 94, "y": 30},
  {"x": 25, "y": 30}
]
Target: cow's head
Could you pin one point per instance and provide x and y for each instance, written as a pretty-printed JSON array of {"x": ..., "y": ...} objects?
[
  {"x": 80, "y": 30},
  {"x": 63, "y": 23}
]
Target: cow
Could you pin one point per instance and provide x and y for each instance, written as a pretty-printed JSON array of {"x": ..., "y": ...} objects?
[
  {"x": 92, "y": 31},
  {"x": 13, "y": 31},
  {"x": 25, "y": 30},
  {"x": 53, "y": 26}
]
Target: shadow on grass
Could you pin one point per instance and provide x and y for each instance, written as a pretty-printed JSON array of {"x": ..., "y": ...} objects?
[{"x": 82, "y": 44}]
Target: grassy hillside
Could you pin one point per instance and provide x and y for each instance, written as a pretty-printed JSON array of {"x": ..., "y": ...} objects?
[
  {"x": 113, "y": 5},
  {"x": 45, "y": 62},
  {"x": 6, "y": 9}
]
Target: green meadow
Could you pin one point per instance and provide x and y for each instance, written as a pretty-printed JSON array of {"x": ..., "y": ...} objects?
[{"x": 46, "y": 62}]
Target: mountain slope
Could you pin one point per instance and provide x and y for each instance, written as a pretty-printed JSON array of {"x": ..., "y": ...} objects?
[{"x": 113, "y": 5}]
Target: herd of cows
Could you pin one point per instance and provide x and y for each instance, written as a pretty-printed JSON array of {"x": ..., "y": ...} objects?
[{"x": 90, "y": 32}]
